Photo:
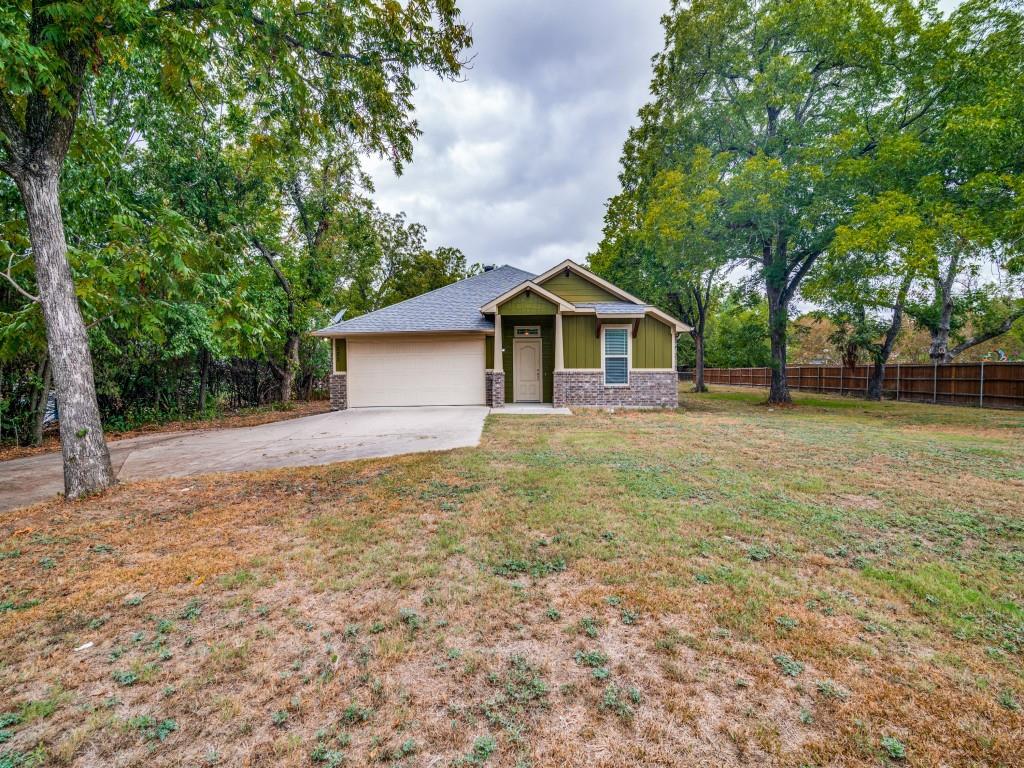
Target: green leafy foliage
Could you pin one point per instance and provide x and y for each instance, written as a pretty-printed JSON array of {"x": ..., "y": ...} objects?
[
  {"x": 849, "y": 151},
  {"x": 199, "y": 132}
]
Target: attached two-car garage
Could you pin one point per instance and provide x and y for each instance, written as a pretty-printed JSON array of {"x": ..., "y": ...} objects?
[{"x": 415, "y": 370}]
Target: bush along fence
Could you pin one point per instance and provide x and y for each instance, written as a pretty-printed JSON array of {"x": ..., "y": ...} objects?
[{"x": 983, "y": 385}]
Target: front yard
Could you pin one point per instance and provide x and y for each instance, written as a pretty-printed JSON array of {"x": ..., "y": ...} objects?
[{"x": 836, "y": 584}]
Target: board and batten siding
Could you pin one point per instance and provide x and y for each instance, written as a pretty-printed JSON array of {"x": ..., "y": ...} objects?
[
  {"x": 547, "y": 353},
  {"x": 581, "y": 347},
  {"x": 523, "y": 304},
  {"x": 489, "y": 352},
  {"x": 652, "y": 347},
  {"x": 340, "y": 356},
  {"x": 575, "y": 289}
]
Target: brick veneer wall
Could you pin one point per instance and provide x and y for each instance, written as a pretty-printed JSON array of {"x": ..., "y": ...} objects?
[
  {"x": 495, "y": 386},
  {"x": 657, "y": 389},
  {"x": 339, "y": 391}
]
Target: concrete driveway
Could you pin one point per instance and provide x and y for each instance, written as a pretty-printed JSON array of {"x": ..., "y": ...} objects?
[{"x": 321, "y": 439}]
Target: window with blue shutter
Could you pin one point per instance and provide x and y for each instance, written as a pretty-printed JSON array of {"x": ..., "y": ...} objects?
[{"x": 616, "y": 356}]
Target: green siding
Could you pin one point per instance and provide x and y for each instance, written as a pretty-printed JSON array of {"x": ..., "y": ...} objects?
[
  {"x": 489, "y": 351},
  {"x": 547, "y": 353},
  {"x": 522, "y": 304},
  {"x": 652, "y": 347},
  {"x": 340, "y": 356},
  {"x": 574, "y": 288},
  {"x": 581, "y": 348}
]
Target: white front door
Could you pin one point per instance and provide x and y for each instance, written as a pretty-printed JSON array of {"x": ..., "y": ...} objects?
[{"x": 526, "y": 365}]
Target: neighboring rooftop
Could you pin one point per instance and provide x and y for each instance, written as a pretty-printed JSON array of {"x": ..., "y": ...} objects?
[{"x": 454, "y": 307}]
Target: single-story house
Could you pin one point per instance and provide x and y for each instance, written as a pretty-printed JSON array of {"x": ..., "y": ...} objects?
[{"x": 565, "y": 337}]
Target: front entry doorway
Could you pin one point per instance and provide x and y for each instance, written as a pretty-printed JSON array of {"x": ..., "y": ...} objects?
[{"x": 526, "y": 368}]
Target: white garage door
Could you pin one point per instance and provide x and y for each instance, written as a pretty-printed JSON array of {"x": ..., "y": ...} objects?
[{"x": 416, "y": 371}]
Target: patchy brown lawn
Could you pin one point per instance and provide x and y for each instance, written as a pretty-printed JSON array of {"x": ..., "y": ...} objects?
[
  {"x": 246, "y": 417},
  {"x": 836, "y": 584}
]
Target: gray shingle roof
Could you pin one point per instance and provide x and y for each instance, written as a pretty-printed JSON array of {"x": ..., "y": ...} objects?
[
  {"x": 454, "y": 307},
  {"x": 614, "y": 307}
]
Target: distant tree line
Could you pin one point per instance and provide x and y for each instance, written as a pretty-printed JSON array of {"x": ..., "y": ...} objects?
[{"x": 864, "y": 156}]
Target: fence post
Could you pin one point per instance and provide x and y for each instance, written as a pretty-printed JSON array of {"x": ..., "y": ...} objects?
[
  {"x": 897, "y": 382},
  {"x": 935, "y": 381},
  {"x": 841, "y": 367},
  {"x": 981, "y": 388}
]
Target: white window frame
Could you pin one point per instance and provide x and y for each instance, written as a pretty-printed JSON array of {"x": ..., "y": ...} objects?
[
  {"x": 629, "y": 353},
  {"x": 518, "y": 328}
]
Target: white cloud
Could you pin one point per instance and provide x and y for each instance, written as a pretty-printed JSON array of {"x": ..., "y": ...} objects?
[{"x": 515, "y": 164}]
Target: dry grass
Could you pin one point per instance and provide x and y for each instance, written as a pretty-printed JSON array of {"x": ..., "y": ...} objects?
[
  {"x": 600, "y": 590},
  {"x": 245, "y": 417}
]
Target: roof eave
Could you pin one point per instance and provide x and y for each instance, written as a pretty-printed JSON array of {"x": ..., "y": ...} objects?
[{"x": 329, "y": 334}]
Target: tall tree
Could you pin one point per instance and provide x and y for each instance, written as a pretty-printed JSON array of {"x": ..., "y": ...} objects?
[
  {"x": 968, "y": 180},
  {"x": 323, "y": 70},
  {"x": 865, "y": 278},
  {"x": 786, "y": 95},
  {"x": 688, "y": 255},
  {"x": 388, "y": 261},
  {"x": 307, "y": 196}
]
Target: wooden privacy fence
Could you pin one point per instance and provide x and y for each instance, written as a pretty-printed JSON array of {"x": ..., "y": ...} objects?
[{"x": 984, "y": 385}]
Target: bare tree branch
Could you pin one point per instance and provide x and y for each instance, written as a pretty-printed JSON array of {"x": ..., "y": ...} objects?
[
  {"x": 986, "y": 335},
  {"x": 323, "y": 53},
  {"x": 268, "y": 256},
  {"x": 10, "y": 279}
]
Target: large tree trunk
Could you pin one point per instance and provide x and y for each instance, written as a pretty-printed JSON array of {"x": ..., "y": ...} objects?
[
  {"x": 291, "y": 365},
  {"x": 86, "y": 460},
  {"x": 698, "y": 368},
  {"x": 881, "y": 358},
  {"x": 877, "y": 377},
  {"x": 44, "y": 399},
  {"x": 778, "y": 319},
  {"x": 939, "y": 349}
]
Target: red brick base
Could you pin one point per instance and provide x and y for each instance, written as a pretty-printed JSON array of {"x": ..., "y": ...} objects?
[{"x": 646, "y": 389}]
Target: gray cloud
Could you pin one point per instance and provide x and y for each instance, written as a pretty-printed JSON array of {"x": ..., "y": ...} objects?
[{"x": 515, "y": 164}]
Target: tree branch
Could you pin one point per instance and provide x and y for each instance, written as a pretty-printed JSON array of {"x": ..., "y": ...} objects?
[
  {"x": 98, "y": 320},
  {"x": 806, "y": 262},
  {"x": 323, "y": 53},
  {"x": 180, "y": 5},
  {"x": 7, "y": 274},
  {"x": 989, "y": 334},
  {"x": 269, "y": 258}
]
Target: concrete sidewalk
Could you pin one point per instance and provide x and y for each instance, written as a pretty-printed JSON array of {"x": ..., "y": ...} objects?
[{"x": 322, "y": 439}]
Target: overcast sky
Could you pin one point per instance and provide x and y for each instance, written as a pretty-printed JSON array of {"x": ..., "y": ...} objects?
[{"x": 515, "y": 164}]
